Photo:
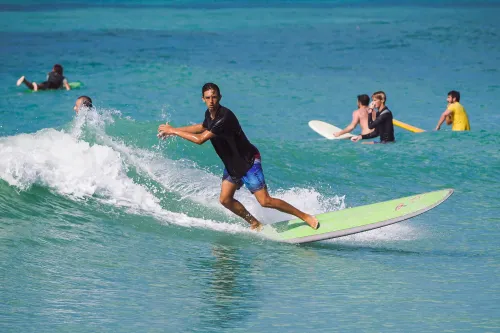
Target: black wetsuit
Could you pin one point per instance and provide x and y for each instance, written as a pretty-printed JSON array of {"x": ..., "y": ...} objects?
[
  {"x": 383, "y": 126},
  {"x": 230, "y": 142},
  {"x": 54, "y": 81}
]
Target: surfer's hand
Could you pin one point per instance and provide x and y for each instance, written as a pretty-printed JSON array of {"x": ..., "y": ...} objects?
[
  {"x": 336, "y": 134},
  {"x": 162, "y": 135},
  {"x": 165, "y": 130},
  {"x": 371, "y": 107},
  {"x": 356, "y": 138}
]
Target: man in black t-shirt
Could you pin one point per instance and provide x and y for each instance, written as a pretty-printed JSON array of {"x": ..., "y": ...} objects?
[{"x": 241, "y": 159}]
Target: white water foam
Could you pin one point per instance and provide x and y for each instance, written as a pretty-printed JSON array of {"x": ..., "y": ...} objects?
[
  {"x": 65, "y": 163},
  {"x": 186, "y": 179}
]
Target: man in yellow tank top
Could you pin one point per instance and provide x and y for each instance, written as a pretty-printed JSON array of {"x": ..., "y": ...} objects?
[{"x": 454, "y": 114}]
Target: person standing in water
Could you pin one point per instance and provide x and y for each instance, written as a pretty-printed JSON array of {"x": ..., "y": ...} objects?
[
  {"x": 381, "y": 121},
  {"x": 454, "y": 114},
  {"x": 242, "y": 160},
  {"x": 55, "y": 80},
  {"x": 359, "y": 116}
]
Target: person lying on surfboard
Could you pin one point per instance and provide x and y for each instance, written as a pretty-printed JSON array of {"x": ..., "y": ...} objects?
[
  {"x": 55, "y": 80},
  {"x": 454, "y": 114},
  {"x": 381, "y": 121},
  {"x": 242, "y": 160},
  {"x": 82, "y": 102},
  {"x": 359, "y": 116}
]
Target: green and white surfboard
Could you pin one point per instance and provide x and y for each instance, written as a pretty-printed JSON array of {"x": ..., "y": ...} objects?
[{"x": 353, "y": 220}]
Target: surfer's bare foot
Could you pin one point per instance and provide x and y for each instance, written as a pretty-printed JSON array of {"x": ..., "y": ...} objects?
[
  {"x": 312, "y": 221},
  {"x": 257, "y": 226},
  {"x": 20, "y": 81},
  {"x": 35, "y": 86}
]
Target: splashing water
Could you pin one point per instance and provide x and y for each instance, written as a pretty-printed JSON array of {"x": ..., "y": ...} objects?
[{"x": 68, "y": 164}]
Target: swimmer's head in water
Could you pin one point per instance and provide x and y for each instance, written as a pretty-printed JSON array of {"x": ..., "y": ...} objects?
[{"x": 82, "y": 102}]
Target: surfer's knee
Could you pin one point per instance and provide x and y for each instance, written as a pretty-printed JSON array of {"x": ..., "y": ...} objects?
[
  {"x": 266, "y": 202},
  {"x": 226, "y": 201}
]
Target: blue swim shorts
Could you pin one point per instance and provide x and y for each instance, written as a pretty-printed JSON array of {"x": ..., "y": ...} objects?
[{"x": 253, "y": 179}]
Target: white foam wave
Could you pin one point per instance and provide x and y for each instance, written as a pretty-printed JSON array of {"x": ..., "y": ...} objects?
[
  {"x": 78, "y": 170},
  {"x": 70, "y": 166},
  {"x": 186, "y": 179}
]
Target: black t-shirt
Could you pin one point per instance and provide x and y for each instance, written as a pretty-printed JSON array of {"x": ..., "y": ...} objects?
[
  {"x": 382, "y": 124},
  {"x": 230, "y": 142}
]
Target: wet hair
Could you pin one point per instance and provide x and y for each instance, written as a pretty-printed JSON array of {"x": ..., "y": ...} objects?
[
  {"x": 86, "y": 101},
  {"x": 58, "y": 69},
  {"x": 364, "y": 100},
  {"x": 210, "y": 86},
  {"x": 454, "y": 94},
  {"x": 380, "y": 95}
]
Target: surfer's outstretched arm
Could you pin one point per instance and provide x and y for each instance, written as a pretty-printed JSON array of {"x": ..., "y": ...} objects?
[
  {"x": 198, "y": 138},
  {"x": 194, "y": 129},
  {"x": 198, "y": 128},
  {"x": 350, "y": 127}
]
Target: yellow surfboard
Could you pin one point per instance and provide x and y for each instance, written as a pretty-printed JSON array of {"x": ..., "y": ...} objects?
[{"x": 407, "y": 126}]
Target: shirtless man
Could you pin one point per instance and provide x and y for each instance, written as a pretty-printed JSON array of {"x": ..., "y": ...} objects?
[{"x": 359, "y": 116}]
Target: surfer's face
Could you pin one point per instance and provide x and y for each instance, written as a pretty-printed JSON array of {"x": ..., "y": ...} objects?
[
  {"x": 211, "y": 99},
  {"x": 450, "y": 99},
  {"x": 376, "y": 103}
]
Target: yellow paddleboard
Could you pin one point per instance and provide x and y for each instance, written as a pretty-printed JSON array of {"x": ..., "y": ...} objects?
[{"x": 407, "y": 127}]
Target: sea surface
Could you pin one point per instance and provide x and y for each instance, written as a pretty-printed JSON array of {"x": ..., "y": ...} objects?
[{"x": 105, "y": 228}]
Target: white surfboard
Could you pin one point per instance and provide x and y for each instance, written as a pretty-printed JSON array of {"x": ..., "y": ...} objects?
[{"x": 327, "y": 130}]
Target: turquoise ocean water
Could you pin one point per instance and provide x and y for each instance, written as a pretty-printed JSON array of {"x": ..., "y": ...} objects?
[{"x": 104, "y": 228}]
